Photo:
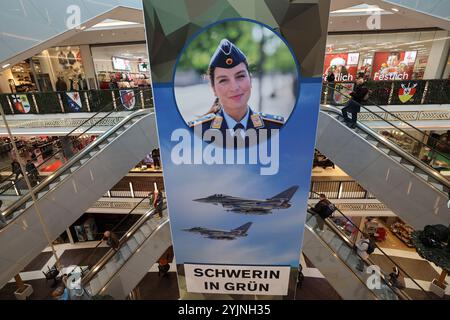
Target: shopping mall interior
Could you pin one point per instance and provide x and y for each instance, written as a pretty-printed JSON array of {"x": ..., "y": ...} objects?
[{"x": 67, "y": 121}]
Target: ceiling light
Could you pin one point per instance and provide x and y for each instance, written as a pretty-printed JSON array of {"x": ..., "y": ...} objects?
[
  {"x": 6, "y": 65},
  {"x": 109, "y": 23},
  {"x": 394, "y": 9},
  {"x": 83, "y": 27}
]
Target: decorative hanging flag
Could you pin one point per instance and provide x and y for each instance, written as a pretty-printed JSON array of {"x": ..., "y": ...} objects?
[
  {"x": 406, "y": 93},
  {"x": 128, "y": 99},
  {"x": 21, "y": 103},
  {"x": 74, "y": 101}
]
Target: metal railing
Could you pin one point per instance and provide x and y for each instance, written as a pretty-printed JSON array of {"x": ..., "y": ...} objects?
[
  {"x": 388, "y": 92},
  {"x": 94, "y": 270},
  {"x": 407, "y": 130},
  {"x": 59, "y": 153},
  {"x": 66, "y": 168},
  {"x": 338, "y": 229},
  {"x": 58, "y": 102}
]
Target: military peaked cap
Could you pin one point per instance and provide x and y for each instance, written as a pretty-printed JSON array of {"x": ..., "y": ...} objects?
[{"x": 227, "y": 55}]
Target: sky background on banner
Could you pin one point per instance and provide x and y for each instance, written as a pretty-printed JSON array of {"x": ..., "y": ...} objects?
[
  {"x": 273, "y": 238},
  {"x": 268, "y": 56}
]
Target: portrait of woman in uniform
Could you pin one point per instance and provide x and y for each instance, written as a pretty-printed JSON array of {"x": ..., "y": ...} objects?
[{"x": 251, "y": 86}]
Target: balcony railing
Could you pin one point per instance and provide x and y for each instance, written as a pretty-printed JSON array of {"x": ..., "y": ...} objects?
[
  {"x": 389, "y": 92},
  {"x": 58, "y": 102}
]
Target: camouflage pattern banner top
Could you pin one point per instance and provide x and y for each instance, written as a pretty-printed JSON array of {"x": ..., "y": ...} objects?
[{"x": 237, "y": 86}]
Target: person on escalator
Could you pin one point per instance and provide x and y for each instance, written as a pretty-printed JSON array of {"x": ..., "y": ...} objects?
[
  {"x": 113, "y": 242},
  {"x": 396, "y": 279},
  {"x": 324, "y": 209},
  {"x": 359, "y": 95},
  {"x": 32, "y": 172},
  {"x": 364, "y": 247},
  {"x": 16, "y": 169}
]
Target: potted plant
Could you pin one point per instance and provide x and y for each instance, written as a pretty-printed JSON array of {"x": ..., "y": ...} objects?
[{"x": 433, "y": 244}]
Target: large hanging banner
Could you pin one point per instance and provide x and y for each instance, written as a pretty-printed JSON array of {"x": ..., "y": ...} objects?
[{"x": 237, "y": 87}]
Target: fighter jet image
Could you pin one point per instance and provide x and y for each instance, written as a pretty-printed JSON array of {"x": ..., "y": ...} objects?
[
  {"x": 221, "y": 234},
  {"x": 250, "y": 206}
]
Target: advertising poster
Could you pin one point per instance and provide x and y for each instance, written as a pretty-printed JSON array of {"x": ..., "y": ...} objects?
[
  {"x": 397, "y": 65},
  {"x": 237, "y": 89},
  {"x": 343, "y": 65}
]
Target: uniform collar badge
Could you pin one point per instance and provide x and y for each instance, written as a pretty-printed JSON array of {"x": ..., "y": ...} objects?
[
  {"x": 217, "y": 122},
  {"x": 257, "y": 121}
]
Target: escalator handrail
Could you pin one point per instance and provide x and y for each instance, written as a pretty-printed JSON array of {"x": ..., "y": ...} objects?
[
  {"x": 376, "y": 245},
  {"x": 73, "y": 130},
  {"x": 107, "y": 257},
  {"x": 112, "y": 229},
  {"x": 25, "y": 198},
  {"x": 343, "y": 262},
  {"x": 350, "y": 246},
  {"x": 429, "y": 170},
  {"x": 394, "y": 116}
]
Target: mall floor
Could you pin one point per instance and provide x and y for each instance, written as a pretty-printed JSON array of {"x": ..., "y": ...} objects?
[{"x": 153, "y": 287}]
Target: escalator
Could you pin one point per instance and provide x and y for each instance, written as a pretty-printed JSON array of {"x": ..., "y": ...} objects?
[
  {"x": 67, "y": 193},
  {"x": 332, "y": 252},
  {"x": 411, "y": 188},
  {"x": 119, "y": 272}
]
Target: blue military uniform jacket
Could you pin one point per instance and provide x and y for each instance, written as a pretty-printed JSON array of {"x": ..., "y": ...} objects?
[{"x": 256, "y": 120}]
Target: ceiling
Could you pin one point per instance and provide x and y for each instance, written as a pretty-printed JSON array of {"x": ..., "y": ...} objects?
[{"x": 354, "y": 18}]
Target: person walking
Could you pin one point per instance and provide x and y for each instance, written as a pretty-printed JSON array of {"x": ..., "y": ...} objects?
[{"x": 359, "y": 95}]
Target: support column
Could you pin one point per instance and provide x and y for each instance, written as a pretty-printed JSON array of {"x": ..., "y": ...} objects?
[
  {"x": 88, "y": 66},
  {"x": 69, "y": 235},
  {"x": 437, "y": 60}
]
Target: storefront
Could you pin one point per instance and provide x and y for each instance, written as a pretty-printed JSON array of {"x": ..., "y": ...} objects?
[
  {"x": 121, "y": 66},
  {"x": 18, "y": 78},
  {"x": 409, "y": 140},
  {"x": 54, "y": 69},
  {"x": 380, "y": 57}
]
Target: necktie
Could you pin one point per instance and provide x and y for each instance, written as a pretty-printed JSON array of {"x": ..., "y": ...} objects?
[{"x": 239, "y": 134}]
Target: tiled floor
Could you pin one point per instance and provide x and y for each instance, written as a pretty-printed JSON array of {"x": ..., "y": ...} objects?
[
  {"x": 417, "y": 269},
  {"x": 152, "y": 287},
  {"x": 39, "y": 262}
]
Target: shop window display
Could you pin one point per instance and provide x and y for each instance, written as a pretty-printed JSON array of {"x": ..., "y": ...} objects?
[
  {"x": 23, "y": 79},
  {"x": 68, "y": 68},
  {"x": 121, "y": 67},
  {"x": 122, "y": 80}
]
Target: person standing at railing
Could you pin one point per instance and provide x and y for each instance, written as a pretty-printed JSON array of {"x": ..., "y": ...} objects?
[{"x": 359, "y": 95}]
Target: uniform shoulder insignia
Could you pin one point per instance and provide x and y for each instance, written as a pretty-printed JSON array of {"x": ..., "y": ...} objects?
[
  {"x": 271, "y": 117},
  {"x": 206, "y": 118}
]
